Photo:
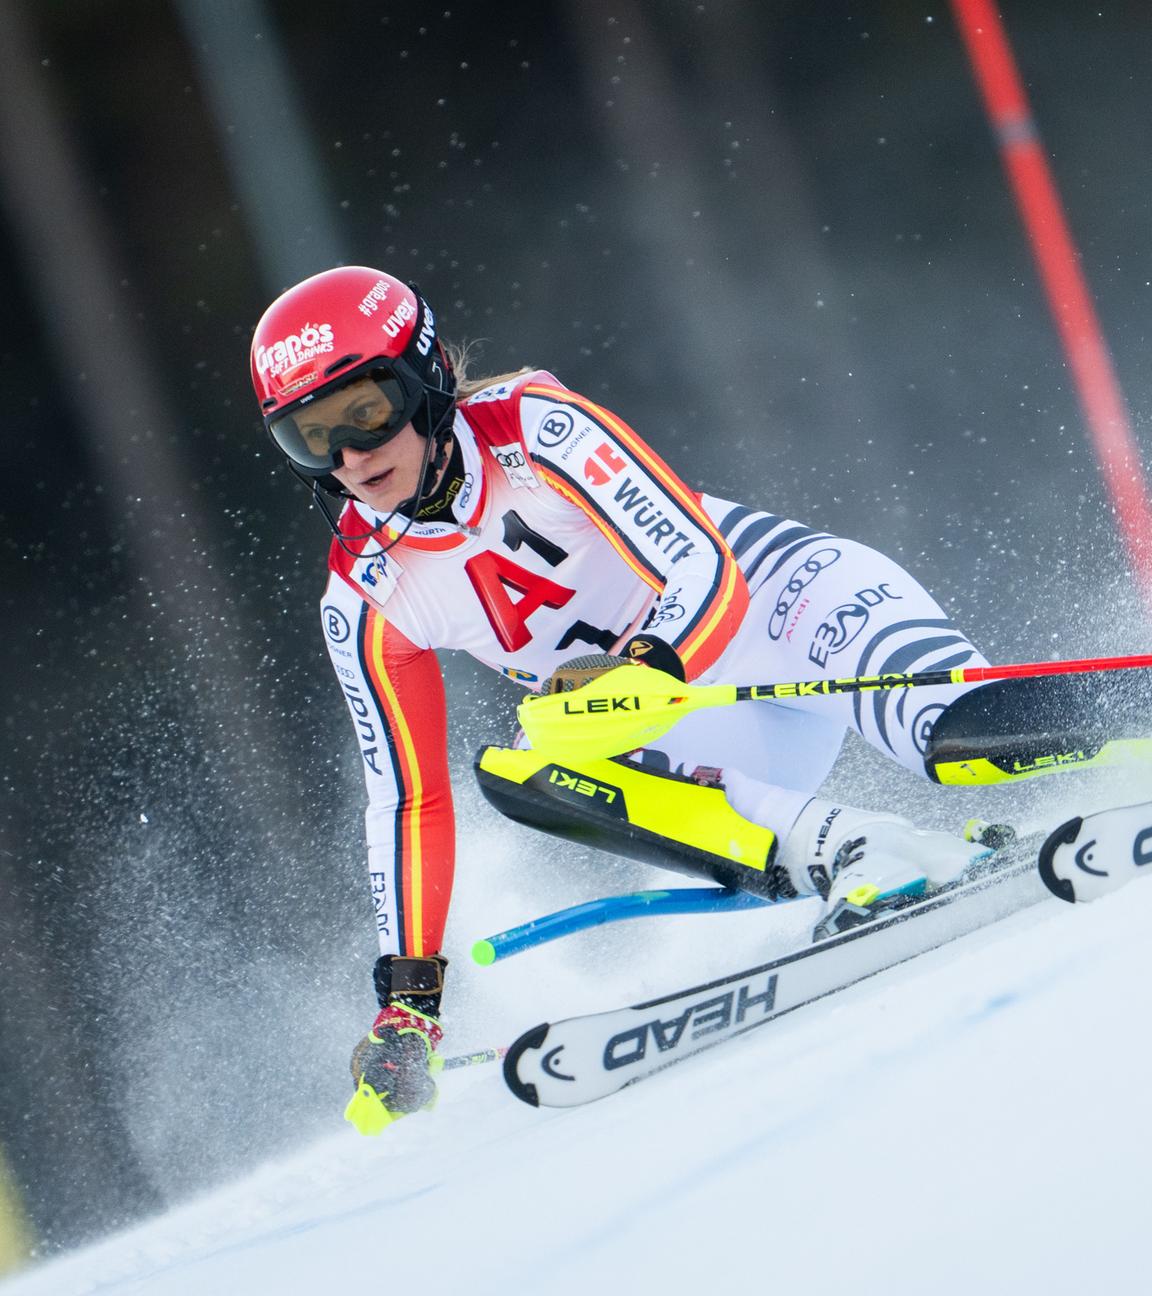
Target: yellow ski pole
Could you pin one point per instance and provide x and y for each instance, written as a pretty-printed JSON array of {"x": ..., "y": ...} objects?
[{"x": 633, "y": 705}]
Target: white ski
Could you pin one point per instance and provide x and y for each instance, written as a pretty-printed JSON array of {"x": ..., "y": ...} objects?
[
  {"x": 1089, "y": 856},
  {"x": 566, "y": 1063}
]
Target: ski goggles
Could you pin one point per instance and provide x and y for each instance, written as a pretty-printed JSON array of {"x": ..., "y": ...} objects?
[{"x": 370, "y": 407}]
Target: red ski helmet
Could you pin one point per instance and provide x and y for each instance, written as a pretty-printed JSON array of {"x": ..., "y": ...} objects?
[{"x": 342, "y": 326}]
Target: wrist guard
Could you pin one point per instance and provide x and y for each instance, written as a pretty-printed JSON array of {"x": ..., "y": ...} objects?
[
  {"x": 650, "y": 651},
  {"x": 415, "y": 983}
]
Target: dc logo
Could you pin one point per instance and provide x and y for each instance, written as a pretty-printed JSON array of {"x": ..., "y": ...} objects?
[
  {"x": 336, "y": 625},
  {"x": 555, "y": 428}
]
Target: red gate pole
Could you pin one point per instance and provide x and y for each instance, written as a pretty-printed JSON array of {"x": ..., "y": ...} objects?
[{"x": 1069, "y": 301}]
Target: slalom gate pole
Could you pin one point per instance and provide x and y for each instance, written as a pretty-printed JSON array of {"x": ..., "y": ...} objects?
[{"x": 1065, "y": 287}]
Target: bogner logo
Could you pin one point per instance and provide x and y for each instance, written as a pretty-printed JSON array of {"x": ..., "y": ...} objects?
[{"x": 707, "y": 1017}]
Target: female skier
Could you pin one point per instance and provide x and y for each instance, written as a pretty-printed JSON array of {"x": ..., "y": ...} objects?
[{"x": 519, "y": 521}]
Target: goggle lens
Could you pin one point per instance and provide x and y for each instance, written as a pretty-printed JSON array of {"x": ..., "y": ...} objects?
[{"x": 365, "y": 412}]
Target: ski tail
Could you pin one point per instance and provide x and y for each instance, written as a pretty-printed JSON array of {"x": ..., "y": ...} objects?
[{"x": 1092, "y": 855}]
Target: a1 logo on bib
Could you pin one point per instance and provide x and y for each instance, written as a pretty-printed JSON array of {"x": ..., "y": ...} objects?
[{"x": 1088, "y": 857}]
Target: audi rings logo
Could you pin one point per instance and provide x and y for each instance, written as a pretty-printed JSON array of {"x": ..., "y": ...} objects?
[
  {"x": 514, "y": 462},
  {"x": 555, "y": 428},
  {"x": 800, "y": 579},
  {"x": 336, "y": 625}
]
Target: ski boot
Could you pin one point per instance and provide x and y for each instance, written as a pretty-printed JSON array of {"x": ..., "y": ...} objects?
[
  {"x": 864, "y": 862},
  {"x": 393, "y": 1065}
]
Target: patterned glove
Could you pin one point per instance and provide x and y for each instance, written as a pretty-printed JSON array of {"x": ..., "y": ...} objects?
[
  {"x": 392, "y": 1065},
  {"x": 643, "y": 649}
]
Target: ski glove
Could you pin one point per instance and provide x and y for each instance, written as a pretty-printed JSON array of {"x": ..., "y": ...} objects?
[
  {"x": 646, "y": 650},
  {"x": 395, "y": 1059},
  {"x": 392, "y": 1066}
]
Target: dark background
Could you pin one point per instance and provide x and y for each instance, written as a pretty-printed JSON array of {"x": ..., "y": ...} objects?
[{"x": 775, "y": 237}]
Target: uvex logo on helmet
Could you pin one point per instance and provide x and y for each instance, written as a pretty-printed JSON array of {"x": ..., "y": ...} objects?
[
  {"x": 427, "y": 331},
  {"x": 287, "y": 352}
]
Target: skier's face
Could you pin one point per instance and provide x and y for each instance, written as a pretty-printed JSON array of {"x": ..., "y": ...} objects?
[
  {"x": 382, "y": 476},
  {"x": 387, "y": 476}
]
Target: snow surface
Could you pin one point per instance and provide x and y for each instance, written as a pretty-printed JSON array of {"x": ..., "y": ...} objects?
[{"x": 972, "y": 1121}]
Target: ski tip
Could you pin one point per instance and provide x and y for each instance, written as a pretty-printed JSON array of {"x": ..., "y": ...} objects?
[
  {"x": 484, "y": 953},
  {"x": 1065, "y": 835}
]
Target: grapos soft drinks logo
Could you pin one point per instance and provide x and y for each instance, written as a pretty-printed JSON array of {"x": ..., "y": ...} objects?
[{"x": 312, "y": 340}]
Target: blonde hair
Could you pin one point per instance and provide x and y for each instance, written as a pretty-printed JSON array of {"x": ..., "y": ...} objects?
[{"x": 460, "y": 356}]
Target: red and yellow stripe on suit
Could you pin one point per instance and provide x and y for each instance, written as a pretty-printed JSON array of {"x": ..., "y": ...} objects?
[{"x": 406, "y": 692}]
